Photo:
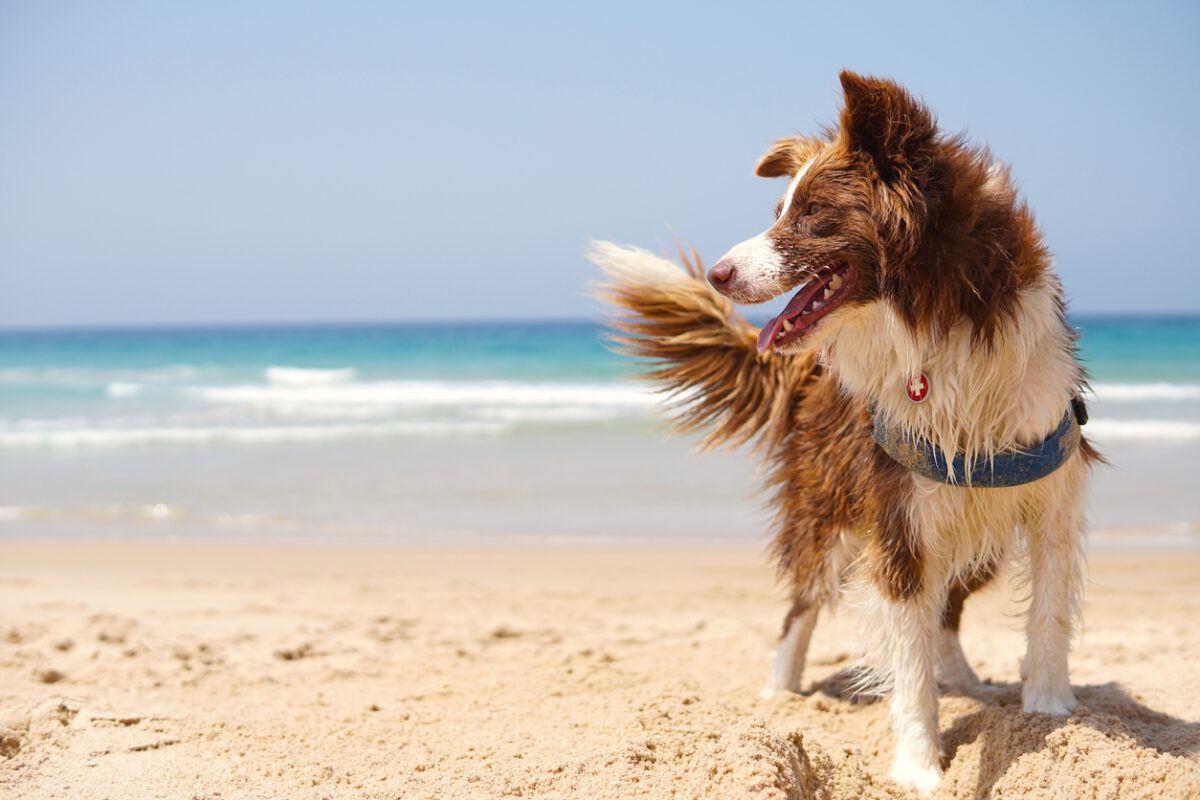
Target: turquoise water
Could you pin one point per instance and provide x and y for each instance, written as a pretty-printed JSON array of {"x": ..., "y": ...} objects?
[
  {"x": 1141, "y": 349},
  {"x": 569, "y": 349},
  {"x": 428, "y": 431}
]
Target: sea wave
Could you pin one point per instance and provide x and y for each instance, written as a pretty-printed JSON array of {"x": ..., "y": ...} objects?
[
  {"x": 1133, "y": 392},
  {"x": 306, "y": 376},
  {"x": 122, "y": 389},
  {"x": 75, "y": 376},
  {"x": 487, "y": 421},
  {"x": 110, "y": 438},
  {"x": 551, "y": 414},
  {"x": 113, "y": 512},
  {"x": 1143, "y": 430},
  {"x": 434, "y": 394}
]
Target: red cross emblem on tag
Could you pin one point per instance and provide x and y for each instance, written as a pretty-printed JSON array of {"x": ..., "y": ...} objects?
[{"x": 918, "y": 388}]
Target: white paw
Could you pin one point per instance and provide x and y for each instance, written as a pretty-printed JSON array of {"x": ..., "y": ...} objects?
[
  {"x": 1057, "y": 703},
  {"x": 924, "y": 778},
  {"x": 775, "y": 689}
]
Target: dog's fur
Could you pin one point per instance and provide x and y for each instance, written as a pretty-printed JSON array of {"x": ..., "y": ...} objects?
[{"x": 931, "y": 265}]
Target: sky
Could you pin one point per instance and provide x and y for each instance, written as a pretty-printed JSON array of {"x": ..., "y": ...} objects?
[{"x": 213, "y": 162}]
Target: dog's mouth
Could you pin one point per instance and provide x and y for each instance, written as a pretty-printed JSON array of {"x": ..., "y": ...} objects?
[{"x": 825, "y": 292}]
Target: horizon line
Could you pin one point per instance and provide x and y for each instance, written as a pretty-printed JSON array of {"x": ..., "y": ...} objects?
[{"x": 429, "y": 322}]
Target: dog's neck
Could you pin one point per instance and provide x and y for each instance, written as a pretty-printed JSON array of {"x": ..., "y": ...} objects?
[{"x": 979, "y": 400}]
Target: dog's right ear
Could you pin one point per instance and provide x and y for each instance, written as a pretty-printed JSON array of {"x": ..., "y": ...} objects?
[{"x": 787, "y": 156}]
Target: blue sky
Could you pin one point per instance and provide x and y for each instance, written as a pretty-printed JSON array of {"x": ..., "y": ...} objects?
[{"x": 266, "y": 162}]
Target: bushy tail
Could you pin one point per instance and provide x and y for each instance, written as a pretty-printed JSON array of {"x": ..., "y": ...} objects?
[{"x": 701, "y": 351}]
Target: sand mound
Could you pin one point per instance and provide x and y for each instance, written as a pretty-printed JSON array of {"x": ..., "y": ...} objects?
[
  {"x": 752, "y": 761},
  {"x": 1112, "y": 746}
]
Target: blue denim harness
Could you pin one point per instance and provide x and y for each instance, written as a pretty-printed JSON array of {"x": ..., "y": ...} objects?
[{"x": 1007, "y": 469}]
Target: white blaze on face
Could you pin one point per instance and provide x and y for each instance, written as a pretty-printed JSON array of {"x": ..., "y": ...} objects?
[
  {"x": 791, "y": 190},
  {"x": 759, "y": 266}
]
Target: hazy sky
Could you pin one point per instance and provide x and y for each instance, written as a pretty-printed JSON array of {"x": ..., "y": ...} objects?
[{"x": 221, "y": 162}]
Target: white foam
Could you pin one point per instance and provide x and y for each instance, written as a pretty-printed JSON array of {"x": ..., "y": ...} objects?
[
  {"x": 120, "y": 389},
  {"x": 44, "y": 423},
  {"x": 304, "y": 376},
  {"x": 544, "y": 414},
  {"x": 161, "y": 512},
  {"x": 150, "y": 512},
  {"x": 1127, "y": 392},
  {"x": 245, "y": 519},
  {"x": 1143, "y": 430},
  {"x": 330, "y": 405},
  {"x": 434, "y": 394},
  {"x": 102, "y": 438},
  {"x": 175, "y": 373}
]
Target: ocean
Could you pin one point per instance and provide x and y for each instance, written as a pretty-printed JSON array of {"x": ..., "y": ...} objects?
[{"x": 502, "y": 433}]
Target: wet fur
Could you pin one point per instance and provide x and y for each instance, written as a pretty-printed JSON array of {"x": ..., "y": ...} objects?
[{"x": 953, "y": 280}]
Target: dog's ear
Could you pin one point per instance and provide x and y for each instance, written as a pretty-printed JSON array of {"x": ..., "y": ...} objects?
[
  {"x": 882, "y": 120},
  {"x": 787, "y": 156}
]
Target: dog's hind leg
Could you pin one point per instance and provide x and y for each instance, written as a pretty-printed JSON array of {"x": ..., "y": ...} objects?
[
  {"x": 788, "y": 668},
  {"x": 954, "y": 673},
  {"x": 1055, "y": 562},
  {"x": 817, "y": 580}
]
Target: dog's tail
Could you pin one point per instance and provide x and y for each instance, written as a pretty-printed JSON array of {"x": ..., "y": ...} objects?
[{"x": 703, "y": 354}]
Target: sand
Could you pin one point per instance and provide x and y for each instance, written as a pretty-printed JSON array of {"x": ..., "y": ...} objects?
[{"x": 145, "y": 670}]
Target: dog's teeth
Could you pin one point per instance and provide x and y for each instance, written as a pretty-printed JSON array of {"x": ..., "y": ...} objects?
[
  {"x": 788, "y": 325},
  {"x": 817, "y": 306},
  {"x": 829, "y": 293},
  {"x": 836, "y": 282}
]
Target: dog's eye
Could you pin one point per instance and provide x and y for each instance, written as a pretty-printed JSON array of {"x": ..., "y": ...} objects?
[{"x": 815, "y": 208}]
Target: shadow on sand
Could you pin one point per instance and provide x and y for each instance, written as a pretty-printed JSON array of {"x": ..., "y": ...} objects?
[
  {"x": 1107, "y": 709},
  {"x": 1004, "y": 733}
]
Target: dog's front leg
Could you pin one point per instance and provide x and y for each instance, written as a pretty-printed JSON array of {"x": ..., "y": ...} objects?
[
  {"x": 1055, "y": 555},
  {"x": 913, "y": 625}
]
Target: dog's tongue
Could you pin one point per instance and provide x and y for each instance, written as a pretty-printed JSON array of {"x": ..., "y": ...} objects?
[
  {"x": 767, "y": 334},
  {"x": 766, "y": 337}
]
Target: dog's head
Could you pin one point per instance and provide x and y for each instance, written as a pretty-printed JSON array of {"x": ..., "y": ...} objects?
[{"x": 880, "y": 208}]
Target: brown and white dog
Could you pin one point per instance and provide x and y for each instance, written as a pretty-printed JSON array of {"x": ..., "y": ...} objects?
[{"x": 928, "y": 305}]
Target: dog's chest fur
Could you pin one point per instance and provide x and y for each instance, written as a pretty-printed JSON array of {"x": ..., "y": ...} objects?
[{"x": 981, "y": 401}]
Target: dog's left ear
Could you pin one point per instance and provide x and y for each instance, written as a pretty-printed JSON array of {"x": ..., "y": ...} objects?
[
  {"x": 883, "y": 120},
  {"x": 787, "y": 156}
]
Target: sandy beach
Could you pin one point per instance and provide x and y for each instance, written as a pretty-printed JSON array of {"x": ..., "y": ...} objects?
[{"x": 193, "y": 671}]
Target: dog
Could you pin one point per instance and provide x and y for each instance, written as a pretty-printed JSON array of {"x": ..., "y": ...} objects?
[{"x": 917, "y": 401}]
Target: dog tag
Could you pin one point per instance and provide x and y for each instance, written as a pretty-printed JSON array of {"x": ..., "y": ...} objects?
[{"x": 918, "y": 388}]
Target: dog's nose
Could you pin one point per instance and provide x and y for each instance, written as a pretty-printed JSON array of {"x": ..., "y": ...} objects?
[{"x": 721, "y": 273}]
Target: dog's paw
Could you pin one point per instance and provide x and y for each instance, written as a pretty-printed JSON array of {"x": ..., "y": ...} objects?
[
  {"x": 776, "y": 688},
  {"x": 922, "y": 778},
  {"x": 1058, "y": 703},
  {"x": 962, "y": 681},
  {"x": 769, "y": 691}
]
